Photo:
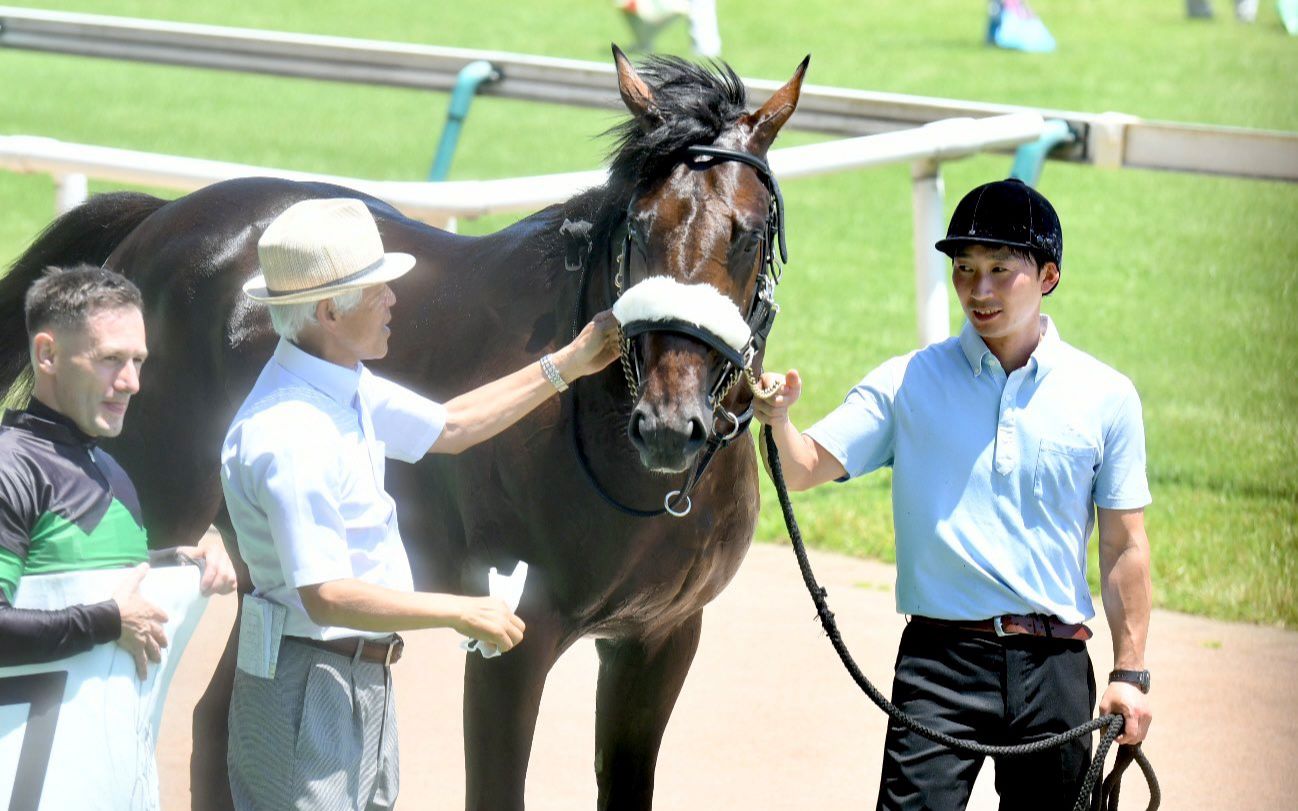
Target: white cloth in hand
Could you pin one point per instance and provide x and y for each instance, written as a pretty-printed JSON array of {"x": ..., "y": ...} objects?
[{"x": 509, "y": 589}]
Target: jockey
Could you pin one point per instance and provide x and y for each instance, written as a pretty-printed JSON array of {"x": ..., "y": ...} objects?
[{"x": 65, "y": 504}]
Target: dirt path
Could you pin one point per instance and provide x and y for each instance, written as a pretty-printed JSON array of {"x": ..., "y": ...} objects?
[{"x": 769, "y": 719}]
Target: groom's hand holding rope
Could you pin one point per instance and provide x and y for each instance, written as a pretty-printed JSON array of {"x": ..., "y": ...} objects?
[{"x": 805, "y": 463}]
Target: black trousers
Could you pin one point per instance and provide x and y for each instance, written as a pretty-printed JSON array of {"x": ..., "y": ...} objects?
[{"x": 993, "y": 690}]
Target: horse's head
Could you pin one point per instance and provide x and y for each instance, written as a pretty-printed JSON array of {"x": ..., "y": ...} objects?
[{"x": 697, "y": 267}]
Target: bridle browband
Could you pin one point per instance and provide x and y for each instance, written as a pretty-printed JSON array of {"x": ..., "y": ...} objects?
[{"x": 760, "y": 318}]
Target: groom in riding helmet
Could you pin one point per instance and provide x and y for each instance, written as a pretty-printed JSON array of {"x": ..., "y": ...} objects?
[{"x": 1007, "y": 447}]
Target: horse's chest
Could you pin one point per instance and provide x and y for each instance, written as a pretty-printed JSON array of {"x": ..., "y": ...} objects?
[{"x": 669, "y": 582}]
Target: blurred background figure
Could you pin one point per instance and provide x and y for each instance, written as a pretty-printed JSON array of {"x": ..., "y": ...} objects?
[
  {"x": 1012, "y": 25},
  {"x": 648, "y": 18},
  {"x": 1288, "y": 10},
  {"x": 1245, "y": 10}
]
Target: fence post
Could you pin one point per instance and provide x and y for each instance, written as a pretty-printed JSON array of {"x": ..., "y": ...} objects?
[
  {"x": 70, "y": 191},
  {"x": 931, "y": 302},
  {"x": 471, "y": 77}
]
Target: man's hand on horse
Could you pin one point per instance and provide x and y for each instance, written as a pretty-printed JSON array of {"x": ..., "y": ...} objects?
[
  {"x": 1126, "y": 700},
  {"x": 142, "y": 634},
  {"x": 218, "y": 570},
  {"x": 775, "y": 408},
  {"x": 596, "y": 347},
  {"x": 488, "y": 619}
]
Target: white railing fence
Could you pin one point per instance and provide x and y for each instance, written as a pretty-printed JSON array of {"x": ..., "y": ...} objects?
[
  {"x": 70, "y": 165},
  {"x": 887, "y": 123},
  {"x": 1103, "y": 139}
]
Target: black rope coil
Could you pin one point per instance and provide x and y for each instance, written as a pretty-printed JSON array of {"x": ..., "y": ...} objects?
[{"x": 1095, "y": 795}]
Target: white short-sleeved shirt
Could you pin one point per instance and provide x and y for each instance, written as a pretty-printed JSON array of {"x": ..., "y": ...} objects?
[
  {"x": 995, "y": 477},
  {"x": 302, "y": 471}
]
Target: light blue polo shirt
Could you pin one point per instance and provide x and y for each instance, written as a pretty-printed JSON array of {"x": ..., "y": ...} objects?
[{"x": 995, "y": 477}]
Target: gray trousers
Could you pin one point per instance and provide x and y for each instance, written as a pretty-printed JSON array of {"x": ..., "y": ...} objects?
[{"x": 320, "y": 735}]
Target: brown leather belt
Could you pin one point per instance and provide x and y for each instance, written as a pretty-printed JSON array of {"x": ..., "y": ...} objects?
[
  {"x": 372, "y": 650},
  {"x": 1016, "y": 625}
]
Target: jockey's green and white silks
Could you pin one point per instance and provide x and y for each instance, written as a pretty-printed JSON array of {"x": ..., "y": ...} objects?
[
  {"x": 80, "y": 732},
  {"x": 65, "y": 503},
  {"x": 660, "y": 299}
]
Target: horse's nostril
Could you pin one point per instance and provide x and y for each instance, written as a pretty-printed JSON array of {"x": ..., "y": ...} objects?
[
  {"x": 698, "y": 432},
  {"x": 635, "y": 429}
]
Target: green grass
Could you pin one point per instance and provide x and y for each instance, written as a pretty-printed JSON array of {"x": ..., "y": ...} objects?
[{"x": 1183, "y": 282}]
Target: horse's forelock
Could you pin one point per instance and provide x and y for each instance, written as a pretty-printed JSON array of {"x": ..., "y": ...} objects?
[{"x": 693, "y": 103}]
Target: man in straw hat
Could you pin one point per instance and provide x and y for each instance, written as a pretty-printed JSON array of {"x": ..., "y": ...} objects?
[
  {"x": 312, "y": 722},
  {"x": 1006, "y": 444}
]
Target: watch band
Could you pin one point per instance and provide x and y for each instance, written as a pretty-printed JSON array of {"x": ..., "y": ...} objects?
[
  {"x": 551, "y": 373},
  {"x": 1140, "y": 678}
]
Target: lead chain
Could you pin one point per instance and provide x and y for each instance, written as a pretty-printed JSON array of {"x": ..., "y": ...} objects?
[
  {"x": 627, "y": 371},
  {"x": 756, "y": 386}
]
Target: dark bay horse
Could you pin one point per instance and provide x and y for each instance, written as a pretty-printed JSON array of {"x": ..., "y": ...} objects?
[{"x": 473, "y": 309}]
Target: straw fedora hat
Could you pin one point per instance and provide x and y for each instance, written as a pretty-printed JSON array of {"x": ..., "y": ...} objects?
[{"x": 317, "y": 249}]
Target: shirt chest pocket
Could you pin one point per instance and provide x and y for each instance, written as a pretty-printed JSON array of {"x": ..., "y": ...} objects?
[
  {"x": 1065, "y": 473},
  {"x": 363, "y": 467}
]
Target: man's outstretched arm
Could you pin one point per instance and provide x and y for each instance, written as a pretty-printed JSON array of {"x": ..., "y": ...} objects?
[{"x": 480, "y": 414}]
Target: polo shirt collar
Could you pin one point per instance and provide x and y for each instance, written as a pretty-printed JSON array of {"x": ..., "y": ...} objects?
[
  {"x": 1043, "y": 359},
  {"x": 339, "y": 383},
  {"x": 1046, "y": 354},
  {"x": 971, "y": 343}
]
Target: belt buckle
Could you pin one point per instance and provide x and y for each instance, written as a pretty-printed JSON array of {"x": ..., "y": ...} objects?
[{"x": 1000, "y": 629}]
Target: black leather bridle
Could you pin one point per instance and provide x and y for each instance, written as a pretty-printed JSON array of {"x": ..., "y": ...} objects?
[
  {"x": 761, "y": 308},
  {"x": 760, "y": 318}
]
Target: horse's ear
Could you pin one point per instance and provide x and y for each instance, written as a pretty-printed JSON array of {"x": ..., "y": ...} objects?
[
  {"x": 637, "y": 96},
  {"x": 767, "y": 119}
]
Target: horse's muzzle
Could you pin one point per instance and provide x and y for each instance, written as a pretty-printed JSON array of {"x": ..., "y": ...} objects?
[{"x": 668, "y": 443}]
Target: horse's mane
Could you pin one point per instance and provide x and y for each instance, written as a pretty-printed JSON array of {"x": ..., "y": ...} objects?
[{"x": 693, "y": 104}]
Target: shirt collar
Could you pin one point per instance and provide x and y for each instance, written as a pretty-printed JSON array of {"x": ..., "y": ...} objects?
[
  {"x": 971, "y": 343},
  {"x": 46, "y": 423},
  {"x": 1043, "y": 357},
  {"x": 1047, "y": 352},
  {"x": 340, "y": 383}
]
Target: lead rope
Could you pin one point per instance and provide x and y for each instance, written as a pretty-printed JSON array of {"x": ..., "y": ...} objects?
[{"x": 1094, "y": 795}]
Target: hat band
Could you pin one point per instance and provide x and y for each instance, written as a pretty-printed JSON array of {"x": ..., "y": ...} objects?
[{"x": 351, "y": 277}]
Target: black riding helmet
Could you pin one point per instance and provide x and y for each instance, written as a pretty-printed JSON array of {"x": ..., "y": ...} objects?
[{"x": 1007, "y": 212}]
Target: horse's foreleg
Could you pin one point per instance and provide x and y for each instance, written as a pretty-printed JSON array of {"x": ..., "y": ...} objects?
[
  {"x": 638, "y": 685},
  {"x": 501, "y": 699},
  {"x": 209, "y": 781}
]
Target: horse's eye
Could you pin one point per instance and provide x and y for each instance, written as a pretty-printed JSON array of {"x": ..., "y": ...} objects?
[{"x": 746, "y": 242}]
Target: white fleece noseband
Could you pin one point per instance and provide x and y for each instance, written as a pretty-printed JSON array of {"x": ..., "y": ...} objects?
[{"x": 660, "y": 298}]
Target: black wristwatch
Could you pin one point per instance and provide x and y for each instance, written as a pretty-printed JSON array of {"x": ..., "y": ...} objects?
[{"x": 1140, "y": 678}]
